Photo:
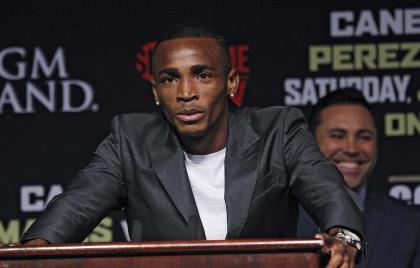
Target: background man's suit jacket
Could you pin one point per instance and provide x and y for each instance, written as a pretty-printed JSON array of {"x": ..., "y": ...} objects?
[
  {"x": 393, "y": 232},
  {"x": 271, "y": 161}
]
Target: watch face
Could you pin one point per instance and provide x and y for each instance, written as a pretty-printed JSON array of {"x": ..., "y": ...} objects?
[
  {"x": 352, "y": 235},
  {"x": 350, "y": 238}
]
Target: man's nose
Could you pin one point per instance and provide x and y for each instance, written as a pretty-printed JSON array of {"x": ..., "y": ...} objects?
[
  {"x": 351, "y": 146},
  {"x": 186, "y": 91}
]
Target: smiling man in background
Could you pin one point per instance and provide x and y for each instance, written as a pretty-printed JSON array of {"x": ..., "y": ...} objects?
[
  {"x": 347, "y": 135},
  {"x": 345, "y": 130}
]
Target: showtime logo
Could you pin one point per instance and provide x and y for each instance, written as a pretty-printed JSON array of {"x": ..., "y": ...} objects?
[
  {"x": 31, "y": 81},
  {"x": 238, "y": 56}
]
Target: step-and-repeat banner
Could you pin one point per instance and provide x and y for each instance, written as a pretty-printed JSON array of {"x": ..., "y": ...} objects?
[{"x": 67, "y": 67}]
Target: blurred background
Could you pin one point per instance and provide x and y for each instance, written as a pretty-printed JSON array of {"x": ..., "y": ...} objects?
[{"x": 67, "y": 67}]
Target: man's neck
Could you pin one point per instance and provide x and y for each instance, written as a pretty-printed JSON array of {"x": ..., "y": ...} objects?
[{"x": 361, "y": 192}]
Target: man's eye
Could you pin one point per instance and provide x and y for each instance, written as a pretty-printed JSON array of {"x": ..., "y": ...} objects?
[
  {"x": 366, "y": 137},
  {"x": 204, "y": 76},
  {"x": 167, "y": 80},
  {"x": 336, "y": 135}
]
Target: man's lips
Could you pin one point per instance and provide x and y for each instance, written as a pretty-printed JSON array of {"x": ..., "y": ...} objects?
[
  {"x": 188, "y": 116},
  {"x": 349, "y": 167}
]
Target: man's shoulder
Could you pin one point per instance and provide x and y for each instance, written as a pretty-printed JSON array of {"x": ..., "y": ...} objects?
[
  {"x": 393, "y": 227},
  {"x": 269, "y": 110},
  {"x": 401, "y": 206},
  {"x": 139, "y": 117},
  {"x": 270, "y": 113},
  {"x": 271, "y": 118},
  {"x": 392, "y": 206},
  {"x": 136, "y": 124}
]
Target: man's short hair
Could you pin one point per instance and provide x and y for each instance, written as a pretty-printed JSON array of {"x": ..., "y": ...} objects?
[
  {"x": 340, "y": 96},
  {"x": 196, "y": 30}
]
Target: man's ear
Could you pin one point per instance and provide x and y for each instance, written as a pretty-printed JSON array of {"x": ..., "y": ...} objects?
[
  {"x": 232, "y": 82},
  {"x": 153, "y": 82}
]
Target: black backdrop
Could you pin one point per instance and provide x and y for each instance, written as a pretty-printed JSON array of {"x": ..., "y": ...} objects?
[{"x": 67, "y": 67}]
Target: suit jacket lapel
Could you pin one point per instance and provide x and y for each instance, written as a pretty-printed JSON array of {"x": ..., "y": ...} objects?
[
  {"x": 374, "y": 219},
  {"x": 241, "y": 164},
  {"x": 168, "y": 163}
]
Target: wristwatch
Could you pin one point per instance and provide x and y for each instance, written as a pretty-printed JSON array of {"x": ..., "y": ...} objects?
[{"x": 350, "y": 238}]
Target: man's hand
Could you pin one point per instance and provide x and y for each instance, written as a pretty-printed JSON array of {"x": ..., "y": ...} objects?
[
  {"x": 36, "y": 242},
  {"x": 33, "y": 242},
  {"x": 341, "y": 254}
]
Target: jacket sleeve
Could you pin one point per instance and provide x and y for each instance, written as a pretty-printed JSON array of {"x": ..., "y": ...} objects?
[
  {"x": 91, "y": 195},
  {"x": 315, "y": 181}
]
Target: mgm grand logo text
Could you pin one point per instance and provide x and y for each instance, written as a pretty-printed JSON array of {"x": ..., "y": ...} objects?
[{"x": 33, "y": 80}]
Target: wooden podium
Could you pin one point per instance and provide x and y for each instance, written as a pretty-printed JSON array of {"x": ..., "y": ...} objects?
[{"x": 190, "y": 254}]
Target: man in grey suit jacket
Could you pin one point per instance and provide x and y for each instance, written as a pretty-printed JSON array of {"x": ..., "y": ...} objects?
[
  {"x": 269, "y": 162},
  {"x": 345, "y": 130}
]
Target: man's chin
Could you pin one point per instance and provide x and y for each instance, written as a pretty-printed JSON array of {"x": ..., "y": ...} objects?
[
  {"x": 191, "y": 132},
  {"x": 353, "y": 182}
]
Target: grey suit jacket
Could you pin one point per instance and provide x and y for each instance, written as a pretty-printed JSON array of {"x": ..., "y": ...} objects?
[{"x": 271, "y": 162}]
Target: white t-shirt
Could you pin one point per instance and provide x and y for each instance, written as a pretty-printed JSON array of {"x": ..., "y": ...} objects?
[{"x": 207, "y": 178}]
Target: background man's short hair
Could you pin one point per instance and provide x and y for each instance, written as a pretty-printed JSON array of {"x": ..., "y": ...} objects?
[
  {"x": 340, "y": 96},
  {"x": 195, "y": 30}
]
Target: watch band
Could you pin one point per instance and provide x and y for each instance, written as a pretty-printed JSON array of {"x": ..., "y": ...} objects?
[{"x": 350, "y": 238}]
